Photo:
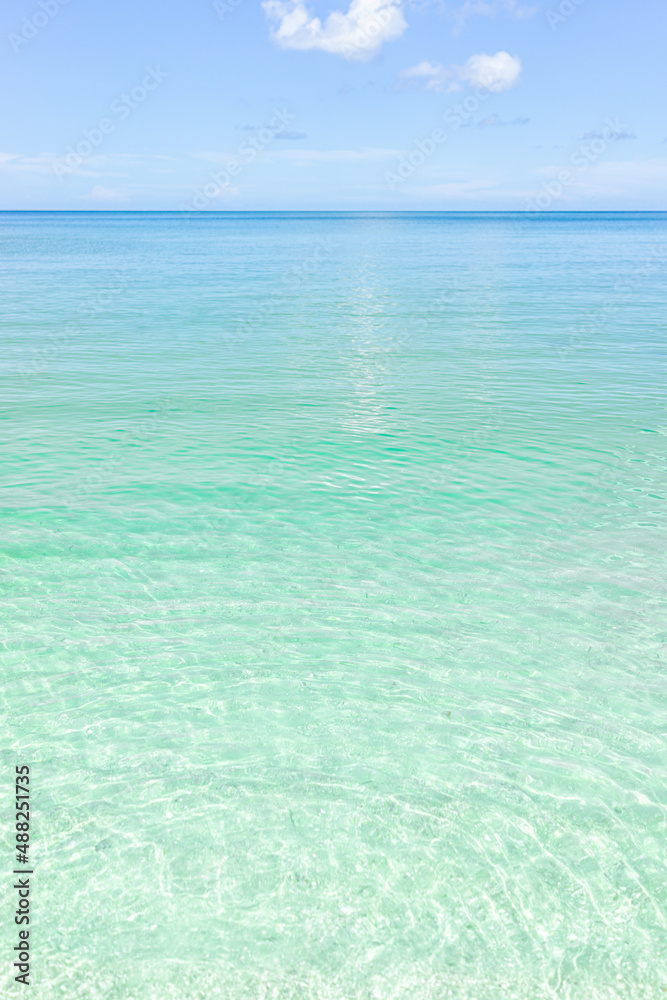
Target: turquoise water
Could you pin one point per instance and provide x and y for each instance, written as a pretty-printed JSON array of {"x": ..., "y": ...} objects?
[{"x": 334, "y": 603}]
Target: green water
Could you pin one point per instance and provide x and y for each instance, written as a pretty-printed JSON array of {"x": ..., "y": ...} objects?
[{"x": 334, "y": 604}]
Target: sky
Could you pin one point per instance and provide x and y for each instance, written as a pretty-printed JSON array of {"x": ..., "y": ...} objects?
[{"x": 244, "y": 105}]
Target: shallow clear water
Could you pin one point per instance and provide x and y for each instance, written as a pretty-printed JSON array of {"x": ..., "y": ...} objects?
[{"x": 334, "y": 603}]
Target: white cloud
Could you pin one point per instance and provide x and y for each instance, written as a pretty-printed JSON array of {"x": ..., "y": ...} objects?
[
  {"x": 494, "y": 73},
  {"x": 97, "y": 165},
  {"x": 435, "y": 75},
  {"x": 358, "y": 34},
  {"x": 481, "y": 7},
  {"x": 16, "y": 162}
]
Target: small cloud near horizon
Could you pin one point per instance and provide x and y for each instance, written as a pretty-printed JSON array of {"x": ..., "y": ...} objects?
[
  {"x": 285, "y": 134},
  {"x": 625, "y": 134},
  {"x": 497, "y": 120}
]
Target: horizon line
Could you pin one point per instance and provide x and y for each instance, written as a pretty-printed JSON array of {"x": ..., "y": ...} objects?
[{"x": 331, "y": 211}]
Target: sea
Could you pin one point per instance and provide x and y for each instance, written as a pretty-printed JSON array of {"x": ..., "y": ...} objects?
[{"x": 334, "y": 603}]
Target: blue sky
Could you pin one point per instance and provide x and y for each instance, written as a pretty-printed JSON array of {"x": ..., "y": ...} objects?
[{"x": 319, "y": 104}]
